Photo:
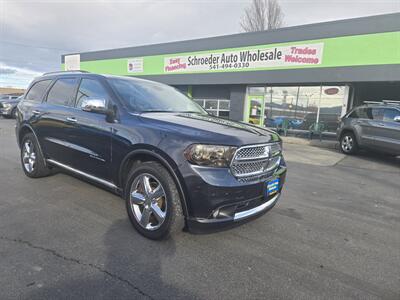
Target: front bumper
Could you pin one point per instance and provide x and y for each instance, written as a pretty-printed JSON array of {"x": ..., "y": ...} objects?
[
  {"x": 199, "y": 225},
  {"x": 227, "y": 202},
  {"x": 6, "y": 111}
]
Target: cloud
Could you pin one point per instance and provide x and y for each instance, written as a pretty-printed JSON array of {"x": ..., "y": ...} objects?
[
  {"x": 11, "y": 76},
  {"x": 7, "y": 71},
  {"x": 34, "y": 34}
]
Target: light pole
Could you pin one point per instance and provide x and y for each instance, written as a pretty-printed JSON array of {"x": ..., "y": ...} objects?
[
  {"x": 319, "y": 103},
  {"x": 297, "y": 100},
  {"x": 270, "y": 104}
]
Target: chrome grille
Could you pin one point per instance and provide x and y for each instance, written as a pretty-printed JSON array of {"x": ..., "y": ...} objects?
[
  {"x": 248, "y": 167},
  {"x": 254, "y": 178},
  {"x": 274, "y": 162},
  {"x": 253, "y": 162},
  {"x": 252, "y": 152},
  {"x": 275, "y": 149}
]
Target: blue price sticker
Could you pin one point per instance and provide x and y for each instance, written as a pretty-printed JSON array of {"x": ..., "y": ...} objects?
[{"x": 272, "y": 186}]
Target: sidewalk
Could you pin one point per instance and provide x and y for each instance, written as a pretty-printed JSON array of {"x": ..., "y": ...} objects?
[
  {"x": 313, "y": 152},
  {"x": 326, "y": 153},
  {"x": 327, "y": 144}
]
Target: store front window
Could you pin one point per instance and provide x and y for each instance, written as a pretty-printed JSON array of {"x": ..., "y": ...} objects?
[
  {"x": 216, "y": 107},
  {"x": 298, "y": 106}
]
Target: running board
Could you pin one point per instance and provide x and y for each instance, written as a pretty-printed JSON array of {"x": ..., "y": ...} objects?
[{"x": 91, "y": 177}]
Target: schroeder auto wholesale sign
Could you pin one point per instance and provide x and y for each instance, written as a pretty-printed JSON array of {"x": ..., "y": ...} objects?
[
  {"x": 247, "y": 59},
  {"x": 357, "y": 50}
]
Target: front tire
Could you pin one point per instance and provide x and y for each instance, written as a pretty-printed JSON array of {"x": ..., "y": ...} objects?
[
  {"x": 348, "y": 143},
  {"x": 153, "y": 202},
  {"x": 32, "y": 160}
]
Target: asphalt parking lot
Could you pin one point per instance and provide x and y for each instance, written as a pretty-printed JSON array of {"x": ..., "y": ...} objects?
[{"x": 334, "y": 234}]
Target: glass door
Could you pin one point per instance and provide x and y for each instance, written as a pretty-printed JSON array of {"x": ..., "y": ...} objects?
[{"x": 255, "y": 105}]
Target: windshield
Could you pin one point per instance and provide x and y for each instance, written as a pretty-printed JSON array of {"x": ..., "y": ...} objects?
[{"x": 147, "y": 96}]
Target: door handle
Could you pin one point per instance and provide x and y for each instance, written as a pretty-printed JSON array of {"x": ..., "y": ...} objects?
[
  {"x": 36, "y": 112},
  {"x": 381, "y": 124},
  {"x": 71, "y": 120}
]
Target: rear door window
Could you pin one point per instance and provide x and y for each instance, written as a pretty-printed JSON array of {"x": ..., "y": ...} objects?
[
  {"x": 36, "y": 92},
  {"x": 361, "y": 113},
  {"x": 62, "y": 92},
  {"x": 390, "y": 114},
  {"x": 377, "y": 114}
]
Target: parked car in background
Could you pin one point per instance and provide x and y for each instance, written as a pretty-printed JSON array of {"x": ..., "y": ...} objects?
[
  {"x": 277, "y": 121},
  {"x": 9, "y": 97},
  {"x": 8, "y": 105},
  {"x": 330, "y": 121},
  {"x": 375, "y": 126},
  {"x": 174, "y": 164}
]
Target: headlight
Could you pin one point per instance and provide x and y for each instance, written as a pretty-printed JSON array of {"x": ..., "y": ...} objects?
[
  {"x": 6, "y": 105},
  {"x": 210, "y": 155}
]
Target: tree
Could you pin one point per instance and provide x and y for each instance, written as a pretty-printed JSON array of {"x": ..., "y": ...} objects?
[{"x": 262, "y": 15}]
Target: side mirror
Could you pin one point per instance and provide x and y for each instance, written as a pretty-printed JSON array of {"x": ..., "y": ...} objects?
[
  {"x": 94, "y": 105},
  {"x": 397, "y": 119}
]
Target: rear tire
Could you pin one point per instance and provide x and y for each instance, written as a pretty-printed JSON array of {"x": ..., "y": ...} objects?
[
  {"x": 348, "y": 143},
  {"x": 152, "y": 201},
  {"x": 32, "y": 161}
]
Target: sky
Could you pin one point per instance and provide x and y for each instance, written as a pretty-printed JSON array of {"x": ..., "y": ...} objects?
[{"x": 34, "y": 34}]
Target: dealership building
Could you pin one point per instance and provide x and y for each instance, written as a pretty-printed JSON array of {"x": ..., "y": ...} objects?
[{"x": 312, "y": 73}]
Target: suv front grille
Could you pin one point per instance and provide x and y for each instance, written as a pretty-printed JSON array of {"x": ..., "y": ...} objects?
[
  {"x": 246, "y": 168},
  {"x": 254, "y": 162},
  {"x": 252, "y": 152}
]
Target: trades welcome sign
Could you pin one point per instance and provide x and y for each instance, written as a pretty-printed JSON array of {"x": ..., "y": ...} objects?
[{"x": 309, "y": 54}]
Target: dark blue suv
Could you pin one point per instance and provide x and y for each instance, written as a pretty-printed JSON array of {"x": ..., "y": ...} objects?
[{"x": 175, "y": 165}]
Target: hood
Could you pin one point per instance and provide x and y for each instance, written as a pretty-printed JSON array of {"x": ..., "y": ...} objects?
[
  {"x": 212, "y": 129},
  {"x": 10, "y": 101}
]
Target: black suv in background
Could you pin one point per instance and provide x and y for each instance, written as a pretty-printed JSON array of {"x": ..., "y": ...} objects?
[
  {"x": 375, "y": 125},
  {"x": 175, "y": 165}
]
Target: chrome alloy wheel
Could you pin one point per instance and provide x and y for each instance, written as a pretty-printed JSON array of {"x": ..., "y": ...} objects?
[
  {"x": 347, "y": 143},
  {"x": 148, "y": 201},
  {"x": 29, "y": 156}
]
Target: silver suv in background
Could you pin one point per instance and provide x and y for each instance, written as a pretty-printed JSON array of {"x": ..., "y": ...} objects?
[
  {"x": 375, "y": 126},
  {"x": 8, "y": 105}
]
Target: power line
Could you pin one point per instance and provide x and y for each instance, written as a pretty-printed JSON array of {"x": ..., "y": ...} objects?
[
  {"x": 34, "y": 46},
  {"x": 29, "y": 62}
]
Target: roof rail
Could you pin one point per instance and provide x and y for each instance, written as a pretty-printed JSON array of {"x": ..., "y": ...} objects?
[
  {"x": 383, "y": 102},
  {"x": 62, "y": 72},
  {"x": 391, "y": 102},
  {"x": 372, "y": 102}
]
